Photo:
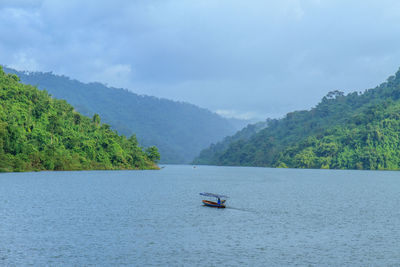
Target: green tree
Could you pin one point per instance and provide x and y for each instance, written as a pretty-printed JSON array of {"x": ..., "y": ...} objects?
[
  {"x": 153, "y": 154},
  {"x": 96, "y": 119}
]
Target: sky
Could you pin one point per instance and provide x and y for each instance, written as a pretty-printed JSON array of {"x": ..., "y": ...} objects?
[{"x": 246, "y": 59}]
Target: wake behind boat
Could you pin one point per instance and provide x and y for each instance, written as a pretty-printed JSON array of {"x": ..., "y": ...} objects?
[{"x": 220, "y": 200}]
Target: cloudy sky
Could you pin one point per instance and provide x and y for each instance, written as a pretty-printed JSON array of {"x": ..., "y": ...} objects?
[{"x": 255, "y": 58}]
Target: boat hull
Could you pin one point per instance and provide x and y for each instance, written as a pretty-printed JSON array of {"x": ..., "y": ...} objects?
[{"x": 213, "y": 204}]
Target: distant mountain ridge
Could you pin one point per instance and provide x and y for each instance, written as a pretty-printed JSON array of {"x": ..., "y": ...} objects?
[
  {"x": 353, "y": 131},
  {"x": 179, "y": 130},
  {"x": 211, "y": 154}
]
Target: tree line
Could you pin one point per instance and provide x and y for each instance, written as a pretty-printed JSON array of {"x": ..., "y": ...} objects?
[
  {"x": 39, "y": 132},
  {"x": 359, "y": 130}
]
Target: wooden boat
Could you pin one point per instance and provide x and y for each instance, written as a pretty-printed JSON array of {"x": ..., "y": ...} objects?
[{"x": 220, "y": 201}]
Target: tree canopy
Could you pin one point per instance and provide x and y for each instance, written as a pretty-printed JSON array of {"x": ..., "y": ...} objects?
[
  {"x": 353, "y": 131},
  {"x": 38, "y": 132}
]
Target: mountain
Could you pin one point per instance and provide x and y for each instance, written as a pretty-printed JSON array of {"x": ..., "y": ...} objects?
[
  {"x": 211, "y": 154},
  {"x": 179, "y": 130},
  {"x": 38, "y": 132},
  {"x": 353, "y": 131},
  {"x": 239, "y": 124}
]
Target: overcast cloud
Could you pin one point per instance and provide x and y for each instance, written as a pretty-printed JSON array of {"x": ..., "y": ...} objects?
[{"x": 240, "y": 58}]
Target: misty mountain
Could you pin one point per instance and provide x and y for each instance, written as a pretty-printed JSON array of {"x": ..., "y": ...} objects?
[
  {"x": 179, "y": 130},
  {"x": 353, "y": 131},
  {"x": 211, "y": 154}
]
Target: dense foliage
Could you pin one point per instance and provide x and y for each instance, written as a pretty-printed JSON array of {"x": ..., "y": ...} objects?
[
  {"x": 179, "y": 130},
  {"x": 354, "y": 131},
  {"x": 38, "y": 132}
]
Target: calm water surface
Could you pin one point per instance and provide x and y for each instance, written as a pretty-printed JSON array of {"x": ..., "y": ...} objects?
[{"x": 276, "y": 217}]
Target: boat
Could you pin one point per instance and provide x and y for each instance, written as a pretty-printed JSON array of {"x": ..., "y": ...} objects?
[{"x": 220, "y": 200}]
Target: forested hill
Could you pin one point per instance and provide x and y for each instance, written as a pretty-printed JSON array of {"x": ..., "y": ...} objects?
[
  {"x": 354, "y": 131},
  {"x": 211, "y": 154},
  {"x": 38, "y": 132},
  {"x": 179, "y": 130}
]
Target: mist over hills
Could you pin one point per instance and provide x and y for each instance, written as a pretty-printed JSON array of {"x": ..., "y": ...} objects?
[
  {"x": 179, "y": 130},
  {"x": 353, "y": 131},
  {"x": 210, "y": 155}
]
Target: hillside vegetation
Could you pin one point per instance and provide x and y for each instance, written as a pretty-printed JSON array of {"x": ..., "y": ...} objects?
[
  {"x": 38, "y": 132},
  {"x": 213, "y": 152},
  {"x": 179, "y": 130},
  {"x": 354, "y": 131}
]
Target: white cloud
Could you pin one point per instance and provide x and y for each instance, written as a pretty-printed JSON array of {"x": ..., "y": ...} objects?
[
  {"x": 239, "y": 115},
  {"x": 22, "y": 61},
  {"x": 118, "y": 75}
]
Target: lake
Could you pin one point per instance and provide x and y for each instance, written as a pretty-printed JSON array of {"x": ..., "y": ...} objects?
[{"x": 274, "y": 217}]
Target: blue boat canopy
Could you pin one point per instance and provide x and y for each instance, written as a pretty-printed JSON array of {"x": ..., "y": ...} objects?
[{"x": 213, "y": 195}]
